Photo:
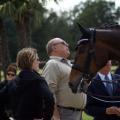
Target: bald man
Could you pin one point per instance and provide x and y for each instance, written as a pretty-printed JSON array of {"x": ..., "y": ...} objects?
[{"x": 68, "y": 106}]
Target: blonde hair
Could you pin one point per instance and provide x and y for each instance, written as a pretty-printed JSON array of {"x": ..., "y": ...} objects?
[{"x": 26, "y": 57}]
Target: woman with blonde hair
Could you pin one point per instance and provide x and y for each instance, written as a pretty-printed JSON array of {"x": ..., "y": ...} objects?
[{"x": 29, "y": 95}]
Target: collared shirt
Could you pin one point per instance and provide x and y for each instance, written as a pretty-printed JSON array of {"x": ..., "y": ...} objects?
[
  {"x": 57, "y": 74},
  {"x": 63, "y": 60},
  {"x": 102, "y": 76}
]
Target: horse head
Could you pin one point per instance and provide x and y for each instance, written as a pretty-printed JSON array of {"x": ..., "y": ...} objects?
[{"x": 94, "y": 49}]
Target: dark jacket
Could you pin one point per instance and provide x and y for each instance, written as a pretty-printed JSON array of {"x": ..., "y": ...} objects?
[
  {"x": 3, "y": 83},
  {"x": 117, "y": 71},
  {"x": 3, "y": 114},
  {"x": 28, "y": 97},
  {"x": 97, "y": 108}
]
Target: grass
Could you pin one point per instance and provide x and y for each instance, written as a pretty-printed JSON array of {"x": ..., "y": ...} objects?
[{"x": 86, "y": 117}]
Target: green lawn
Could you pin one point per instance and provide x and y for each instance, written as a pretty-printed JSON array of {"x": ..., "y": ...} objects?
[{"x": 86, "y": 117}]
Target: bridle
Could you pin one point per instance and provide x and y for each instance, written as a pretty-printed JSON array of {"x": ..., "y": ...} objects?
[
  {"x": 79, "y": 85},
  {"x": 86, "y": 75},
  {"x": 90, "y": 54}
]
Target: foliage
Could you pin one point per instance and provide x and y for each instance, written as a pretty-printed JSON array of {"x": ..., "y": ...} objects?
[
  {"x": 13, "y": 39},
  {"x": 52, "y": 26},
  {"x": 44, "y": 24},
  {"x": 96, "y": 12}
]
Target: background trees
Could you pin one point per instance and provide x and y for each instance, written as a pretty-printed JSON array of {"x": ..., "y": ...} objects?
[
  {"x": 26, "y": 23},
  {"x": 95, "y": 13}
]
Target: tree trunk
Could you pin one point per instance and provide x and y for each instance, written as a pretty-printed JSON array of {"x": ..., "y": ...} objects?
[
  {"x": 22, "y": 40},
  {"x": 24, "y": 31},
  {"x": 4, "y": 51}
]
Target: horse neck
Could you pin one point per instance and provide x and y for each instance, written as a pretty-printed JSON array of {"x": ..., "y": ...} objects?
[
  {"x": 109, "y": 37},
  {"x": 111, "y": 40}
]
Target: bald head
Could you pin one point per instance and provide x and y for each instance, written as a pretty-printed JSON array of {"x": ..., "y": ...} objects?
[{"x": 55, "y": 46}]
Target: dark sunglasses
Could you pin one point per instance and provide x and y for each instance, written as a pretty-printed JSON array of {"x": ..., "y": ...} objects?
[{"x": 10, "y": 74}]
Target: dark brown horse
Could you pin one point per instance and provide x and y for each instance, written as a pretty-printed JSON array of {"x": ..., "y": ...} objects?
[{"x": 94, "y": 49}]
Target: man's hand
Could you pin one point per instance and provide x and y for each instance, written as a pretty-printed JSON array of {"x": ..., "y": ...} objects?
[
  {"x": 113, "y": 110},
  {"x": 56, "y": 115},
  {"x": 118, "y": 111}
]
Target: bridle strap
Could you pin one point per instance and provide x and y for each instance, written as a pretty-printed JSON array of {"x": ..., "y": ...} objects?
[
  {"x": 86, "y": 73},
  {"x": 76, "y": 67},
  {"x": 90, "y": 52}
]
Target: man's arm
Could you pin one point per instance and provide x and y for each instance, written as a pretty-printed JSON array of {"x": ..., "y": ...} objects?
[{"x": 51, "y": 73}]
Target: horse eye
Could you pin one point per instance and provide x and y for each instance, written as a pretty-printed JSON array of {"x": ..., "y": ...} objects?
[{"x": 81, "y": 49}]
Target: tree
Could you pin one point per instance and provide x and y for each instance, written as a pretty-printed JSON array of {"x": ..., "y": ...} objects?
[
  {"x": 4, "y": 51},
  {"x": 52, "y": 26},
  {"x": 95, "y": 13},
  {"x": 24, "y": 13}
]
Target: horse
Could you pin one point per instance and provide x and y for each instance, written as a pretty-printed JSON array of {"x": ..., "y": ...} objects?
[{"x": 93, "y": 50}]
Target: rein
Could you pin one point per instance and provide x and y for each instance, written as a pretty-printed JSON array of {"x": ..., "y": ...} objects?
[{"x": 103, "y": 100}]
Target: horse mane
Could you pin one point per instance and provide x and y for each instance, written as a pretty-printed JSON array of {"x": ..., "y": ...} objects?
[{"x": 110, "y": 26}]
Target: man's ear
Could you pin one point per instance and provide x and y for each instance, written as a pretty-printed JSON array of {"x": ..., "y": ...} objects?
[{"x": 54, "y": 47}]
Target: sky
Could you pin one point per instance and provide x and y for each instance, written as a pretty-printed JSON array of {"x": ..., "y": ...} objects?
[{"x": 69, "y": 4}]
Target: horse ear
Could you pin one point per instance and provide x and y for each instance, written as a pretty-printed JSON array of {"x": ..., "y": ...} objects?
[
  {"x": 85, "y": 32},
  {"x": 82, "y": 29}
]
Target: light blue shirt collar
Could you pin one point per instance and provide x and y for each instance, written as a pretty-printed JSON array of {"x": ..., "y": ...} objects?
[
  {"x": 60, "y": 58},
  {"x": 102, "y": 76}
]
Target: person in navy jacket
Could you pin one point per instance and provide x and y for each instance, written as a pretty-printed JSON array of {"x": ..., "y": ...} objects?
[
  {"x": 101, "y": 104},
  {"x": 117, "y": 71}
]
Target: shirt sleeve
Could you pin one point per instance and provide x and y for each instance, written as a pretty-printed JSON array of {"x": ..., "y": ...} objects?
[{"x": 51, "y": 73}]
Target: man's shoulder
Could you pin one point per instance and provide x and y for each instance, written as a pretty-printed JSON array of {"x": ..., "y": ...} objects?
[
  {"x": 96, "y": 77},
  {"x": 116, "y": 76},
  {"x": 51, "y": 64},
  {"x": 53, "y": 61}
]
